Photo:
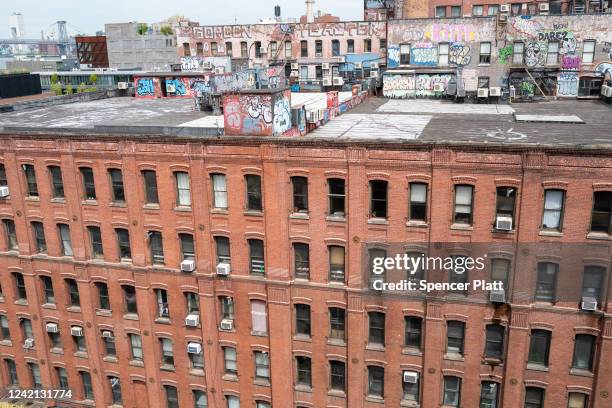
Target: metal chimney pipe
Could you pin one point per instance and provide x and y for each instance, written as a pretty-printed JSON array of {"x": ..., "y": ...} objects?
[{"x": 309, "y": 11}]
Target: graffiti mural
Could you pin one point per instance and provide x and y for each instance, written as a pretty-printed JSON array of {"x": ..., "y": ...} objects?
[
  {"x": 459, "y": 54},
  {"x": 424, "y": 54},
  {"x": 526, "y": 26},
  {"x": 147, "y": 87},
  {"x": 570, "y": 62},
  {"x": 505, "y": 53},
  {"x": 406, "y": 86},
  {"x": 178, "y": 87},
  {"x": 282, "y": 113},
  {"x": 567, "y": 84},
  {"x": 535, "y": 54}
]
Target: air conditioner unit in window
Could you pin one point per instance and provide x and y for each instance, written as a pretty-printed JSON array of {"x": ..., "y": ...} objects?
[
  {"x": 411, "y": 377},
  {"x": 52, "y": 328},
  {"x": 192, "y": 320},
  {"x": 483, "y": 92},
  {"x": 194, "y": 348},
  {"x": 318, "y": 54},
  {"x": 605, "y": 91},
  {"x": 207, "y": 65},
  {"x": 495, "y": 91},
  {"x": 358, "y": 65},
  {"x": 76, "y": 331},
  {"x": 543, "y": 7},
  {"x": 438, "y": 87},
  {"x": 338, "y": 81},
  {"x": 4, "y": 191},
  {"x": 327, "y": 81},
  {"x": 503, "y": 223},
  {"x": 107, "y": 334},
  {"x": 497, "y": 296},
  {"x": 188, "y": 265},
  {"x": 227, "y": 324},
  {"x": 171, "y": 88},
  {"x": 295, "y": 66},
  {"x": 122, "y": 85},
  {"x": 262, "y": 50},
  {"x": 325, "y": 65},
  {"x": 28, "y": 343},
  {"x": 588, "y": 303},
  {"x": 504, "y": 8},
  {"x": 294, "y": 74},
  {"x": 502, "y": 18},
  {"x": 374, "y": 65},
  {"x": 223, "y": 269}
]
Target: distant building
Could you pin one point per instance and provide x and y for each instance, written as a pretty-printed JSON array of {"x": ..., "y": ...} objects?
[
  {"x": 92, "y": 51},
  {"x": 17, "y": 25}
]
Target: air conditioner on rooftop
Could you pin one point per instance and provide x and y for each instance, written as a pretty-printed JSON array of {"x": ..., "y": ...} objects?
[
  {"x": 76, "y": 331},
  {"x": 503, "y": 223},
  {"x": 223, "y": 269},
  {"x": 192, "y": 320},
  {"x": 588, "y": 303},
  {"x": 52, "y": 328},
  {"x": 4, "y": 191},
  {"x": 327, "y": 81},
  {"x": 227, "y": 324},
  {"x": 483, "y": 92},
  {"x": 338, "y": 81},
  {"x": 495, "y": 91},
  {"x": 504, "y": 8},
  {"x": 122, "y": 85},
  {"x": 497, "y": 296},
  {"x": 188, "y": 265},
  {"x": 411, "y": 377},
  {"x": 171, "y": 88},
  {"x": 194, "y": 348}
]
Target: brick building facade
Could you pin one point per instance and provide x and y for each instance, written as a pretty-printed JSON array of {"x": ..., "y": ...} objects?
[{"x": 304, "y": 332}]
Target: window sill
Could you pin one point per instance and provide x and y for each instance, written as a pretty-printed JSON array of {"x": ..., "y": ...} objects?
[
  {"x": 537, "y": 367},
  {"x": 32, "y": 198},
  {"x": 21, "y": 302},
  {"x": 302, "y": 388},
  {"x": 580, "y": 372},
  {"x": 299, "y": 216},
  {"x": 104, "y": 312},
  {"x": 81, "y": 354},
  {"x": 162, "y": 320},
  {"x": 462, "y": 227},
  {"x": 302, "y": 337},
  {"x": 182, "y": 208},
  {"x": 409, "y": 403},
  {"x": 7, "y": 343},
  {"x": 412, "y": 351},
  {"x": 375, "y": 347},
  {"x": 109, "y": 359},
  {"x": 220, "y": 211},
  {"x": 167, "y": 367},
  {"x": 454, "y": 357},
  {"x": 262, "y": 382},
  {"x": 51, "y": 306},
  {"x": 253, "y": 213},
  {"x": 130, "y": 316},
  {"x": 336, "y": 393},
  {"x": 74, "y": 309},
  {"x": 336, "y": 342},
  {"x": 126, "y": 260},
  {"x": 259, "y": 334},
  {"x": 599, "y": 236},
  {"x": 375, "y": 399},
  {"x": 196, "y": 372},
  {"x": 136, "y": 363},
  {"x": 230, "y": 377},
  {"x": 546, "y": 233},
  {"x": 89, "y": 202},
  {"x": 151, "y": 206},
  {"x": 118, "y": 204},
  {"x": 498, "y": 231},
  {"x": 378, "y": 221},
  {"x": 335, "y": 218},
  {"x": 417, "y": 224},
  {"x": 492, "y": 361},
  {"x": 88, "y": 402},
  {"x": 56, "y": 350}
]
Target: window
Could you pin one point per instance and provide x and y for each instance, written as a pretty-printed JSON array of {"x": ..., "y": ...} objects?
[
  {"x": 376, "y": 381},
  {"x": 257, "y": 45},
  {"x": 378, "y": 199},
  {"x": 227, "y": 307},
  {"x": 413, "y": 327},
  {"x": 163, "y": 308},
  {"x": 493, "y": 9},
  {"x": 11, "y": 368},
  {"x": 440, "y": 11},
  {"x": 593, "y": 282},
  {"x": 302, "y": 320},
  {"x": 187, "y": 246},
  {"x": 123, "y": 242},
  {"x": 350, "y": 46},
  {"x": 373, "y": 254},
  {"x": 30, "y": 177},
  {"x": 534, "y": 397},
  {"x": 455, "y": 11},
  {"x": 199, "y": 399},
  {"x": 318, "y": 48},
  {"x": 300, "y": 194},
  {"x": 115, "y": 387},
  {"x": 584, "y": 351},
  {"x": 515, "y": 9},
  {"x": 193, "y": 303},
  {"x": 367, "y": 45},
  {"x": 303, "y": 48},
  {"x": 602, "y": 209},
  {"x": 199, "y": 49},
  {"x": 262, "y": 404},
  {"x": 183, "y": 192},
  {"x": 494, "y": 343},
  {"x": 57, "y": 184},
  {"x": 223, "y": 250},
  {"x": 488, "y": 394},
  {"x": 87, "y": 385},
  {"x": 552, "y": 219},
  {"x": 62, "y": 378},
  {"x": 411, "y": 390},
  {"x": 337, "y": 323},
  {"x": 129, "y": 296},
  {"x": 577, "y": 400},
  {"x": 455, "y": 332},
  {"x": 116, "y": 179},
  {"x": 517, "y": 53},
  {"x": 404, "y": 54},
  {"x": 273, "y": 49},
  {"x": 336, "y": 197},
  {"x": 539, "y": 347},
  {"x": 505, "y": 203},
  {"x": 259, "y": 317},
  {"x": 156, "y": 247},
  {"x": 243, "y": 49},
  {"x": 337, "y": 375},
  {"x": 418, "y": 202},
  {"x": 262, "y": 365},
  {"x": 167, "y": 352},
  {"x": 197, "y": 360},
  {"x": 376, "y": 332},
  {"x": 219, "y": 191},
  {"x": 547, "y": 282},
  {"x": 500, "y": 269},
  {"x": 35, "y": 376},
  {"x": 304, "y": 371},
  {"x": 452, "y": 391},
  {"x": 39, "y": 236},
  {"x": 214, "y": 48},
  {"x": 11, "y": 235},
  {"x": 80, "y": 344},
  {"x": 335, "y": 48},
  {"x": 26, "y": 328},
  {"x": 150, "y": 185},
  {"x": 588, "y": 51},
  {"x": 253, "y": 190},
  {"x": 464, "y": 196},
  {"x": 47, "y": 284},
  {"x": 186, "y": 50},
  {"x": 336, "y": 263},
  {"x": 552, "y": 56},
  {"x": 171, "y": 396},
  {"x": 288, "y": 51},
  {"x": 485, "y": 52},
  {"x": 109, "y": 343},
  {"x": 301, "y": 255},
  {"x": 232, "y": 401},
  {"x": 74, "y": 299},
  {"x": 20, "y": 289},
  {"x": 256, "y": 256},
  {"x": 443, "y": 50},
  {"x": 4, "y": 328},
  {"x": 55, "y": 339},
  {"x": 95, "y": 240},
  {"x": 229, "y": 49},
  {"x": 589, "y": 86},
  {"x": 103, "y": 299},
  {"x": 3, "y": 180},
  {"x": 66, "y": 242},
  {"x": 478, "y": 11},
  {"x": 231, "y": 363}
]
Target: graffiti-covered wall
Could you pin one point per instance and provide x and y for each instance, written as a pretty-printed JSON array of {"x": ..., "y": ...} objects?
[{"x": 260, "y": 113}]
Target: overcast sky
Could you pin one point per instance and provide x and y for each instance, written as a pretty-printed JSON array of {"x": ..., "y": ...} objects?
[{"x": 89, "y": 16}]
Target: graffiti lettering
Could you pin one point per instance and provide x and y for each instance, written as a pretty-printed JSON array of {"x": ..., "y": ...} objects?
[
  {"x": 453, "y": 32},
  {"x": 257, "y": 109},
  {"x": 535, "y": 54},
  {"x": 526, "y": 26},
  {"x": 393, "y": 56},
  {"x": 231, "y": 110},
  {"x": 145, "y": 87},
  {"x": 570, "y": 62},
  {"x": 423, "y": 54},
  {"x": 179, "y": 87},
  {"x": 282, "y": 116},
  {"x": 404, "y": 86},
  {"x": 459, "y": 54},
  {"x": 567, "y": 84}
]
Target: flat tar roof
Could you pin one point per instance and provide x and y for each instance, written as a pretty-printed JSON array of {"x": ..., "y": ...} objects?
[{"x": 571, "y": 123}]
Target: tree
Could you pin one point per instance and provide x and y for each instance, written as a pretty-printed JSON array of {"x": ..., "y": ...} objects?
[
  {"x": 69, "y": 89},
  {"x": 54, "y": 78},
  {"x": 81, "y": 88},
  {"x": 142, "y": 28},
  {"x": 93, "y": 79},
  {"x": 56, "y": 88},
  {"x": 166, "y": 30}
]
